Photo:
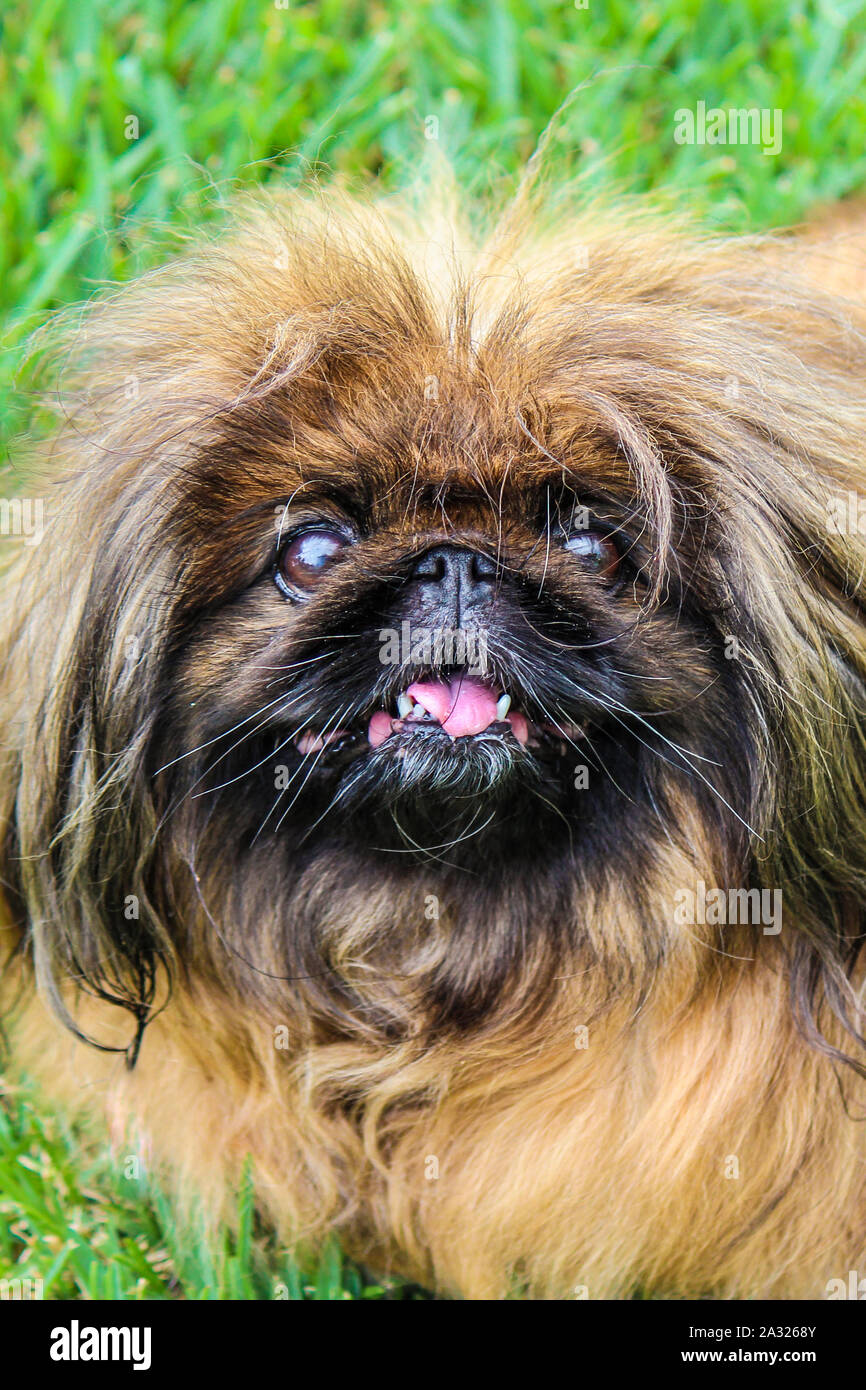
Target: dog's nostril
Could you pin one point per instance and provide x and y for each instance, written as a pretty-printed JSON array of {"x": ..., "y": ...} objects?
[
  {"x": 483, "y": 569},
  {"x": 431, "y": 567}
]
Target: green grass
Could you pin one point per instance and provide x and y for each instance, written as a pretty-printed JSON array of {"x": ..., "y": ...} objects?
[
  {"x": 76, "y": 1225},
  {"x": 226, "y": 94}
]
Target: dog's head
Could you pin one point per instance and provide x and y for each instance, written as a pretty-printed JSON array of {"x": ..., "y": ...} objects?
[{"x": 389, "y": 566}]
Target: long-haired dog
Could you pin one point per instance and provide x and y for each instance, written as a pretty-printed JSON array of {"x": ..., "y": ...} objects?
[{"x": 434, "y": 745}]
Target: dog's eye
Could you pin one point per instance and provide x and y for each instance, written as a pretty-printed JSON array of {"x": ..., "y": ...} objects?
[
  {"x": 597, "y": 553},
  {"x": 305, "y": 559}
]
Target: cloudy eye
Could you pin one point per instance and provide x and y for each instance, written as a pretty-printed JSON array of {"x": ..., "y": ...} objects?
[
  {"x": 304, "y": 561},
  {"x": 596, "y": 552}
]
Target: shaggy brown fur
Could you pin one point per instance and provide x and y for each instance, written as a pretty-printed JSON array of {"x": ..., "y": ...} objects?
[{"x": 437, "y": 1102}]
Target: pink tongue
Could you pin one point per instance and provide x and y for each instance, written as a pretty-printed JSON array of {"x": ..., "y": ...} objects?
[{"x": 462, "y": 706}]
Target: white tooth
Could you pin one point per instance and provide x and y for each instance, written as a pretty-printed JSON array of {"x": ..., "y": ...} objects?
[
  {"x": 419, "y": 712},
  {"x": 503, "y": 705},
  {"x": 404, "y": 705}
]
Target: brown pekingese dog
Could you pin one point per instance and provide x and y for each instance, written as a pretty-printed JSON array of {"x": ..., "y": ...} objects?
[{"x": 434, "y": 745}]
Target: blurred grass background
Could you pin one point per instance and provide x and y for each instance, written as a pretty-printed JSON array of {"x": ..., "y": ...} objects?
[
  {"x": 122, "y": 116},
  {"x": 124, "y": 119}
]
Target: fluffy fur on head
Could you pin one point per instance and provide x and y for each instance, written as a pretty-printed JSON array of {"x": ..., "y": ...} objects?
[{"x": 438, "y": 983}]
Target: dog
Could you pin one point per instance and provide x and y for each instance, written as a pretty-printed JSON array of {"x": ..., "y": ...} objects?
[{"x": 434, "y": 743}]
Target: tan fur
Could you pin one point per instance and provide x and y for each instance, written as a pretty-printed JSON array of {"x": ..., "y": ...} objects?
[{"x": 558, "y": 1171}]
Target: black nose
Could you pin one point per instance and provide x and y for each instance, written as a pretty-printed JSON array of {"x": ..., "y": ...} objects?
[
  {"x": 454, "y": 579},
  {"x": 451, "y": 564}
]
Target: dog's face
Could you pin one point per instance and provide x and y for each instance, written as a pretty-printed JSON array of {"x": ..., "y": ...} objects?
[
  {"x": 506, "y": 580},
  {"x": 444, "y": 598},
  {"x": 447, "y": 641}
]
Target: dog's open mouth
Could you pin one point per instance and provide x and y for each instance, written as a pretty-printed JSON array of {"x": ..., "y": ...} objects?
[{"x": 460, "y": 707}]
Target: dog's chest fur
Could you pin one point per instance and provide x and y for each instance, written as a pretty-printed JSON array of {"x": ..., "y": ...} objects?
[{"x": 668, "y": 1154}]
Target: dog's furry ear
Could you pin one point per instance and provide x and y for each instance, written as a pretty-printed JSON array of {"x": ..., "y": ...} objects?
[
  {"x": 76, "y": 803},
  {"x": 84, "y": 619},
  {"x": 818, "y": 851},
  {"x": 135, "y": 382},
  {"x": 799, "y": 557}
]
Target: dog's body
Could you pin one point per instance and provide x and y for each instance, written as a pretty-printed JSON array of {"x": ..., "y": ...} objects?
[{"x": 428, "y": 961}]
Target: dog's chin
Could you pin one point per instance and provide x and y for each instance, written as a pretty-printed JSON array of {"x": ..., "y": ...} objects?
[
  {"x": 428, "y": 763},
  {"x": 421, "y": 790}
]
